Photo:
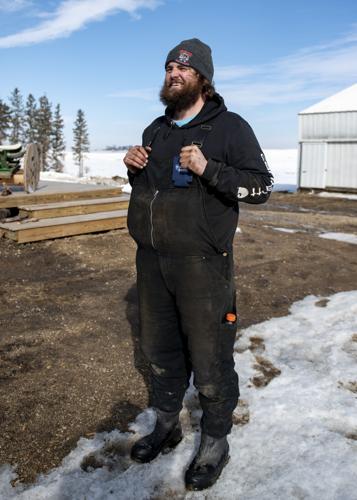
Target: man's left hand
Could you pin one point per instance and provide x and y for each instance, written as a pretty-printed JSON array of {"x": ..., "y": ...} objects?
[{"x": 192, "y": 157}]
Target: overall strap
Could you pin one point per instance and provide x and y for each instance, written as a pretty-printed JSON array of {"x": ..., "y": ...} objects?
[
  {"x": 205, "y": 129},
  {"x": 153, "y": 136}
]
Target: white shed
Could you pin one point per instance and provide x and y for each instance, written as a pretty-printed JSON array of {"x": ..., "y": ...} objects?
[{"x": 328, "y": 143}]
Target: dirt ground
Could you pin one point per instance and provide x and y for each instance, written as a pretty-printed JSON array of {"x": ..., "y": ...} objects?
[{"x": 69, "y": 363}]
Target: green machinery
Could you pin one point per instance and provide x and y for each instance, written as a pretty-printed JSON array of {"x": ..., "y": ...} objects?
[
  {"x": 10, "y": 160},
  {"x": 20, "y": 165}
]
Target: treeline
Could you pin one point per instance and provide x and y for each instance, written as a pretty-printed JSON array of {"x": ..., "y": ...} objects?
[
  {"x": 37, "y": 121},
  {"x": 117, "y": 148}
]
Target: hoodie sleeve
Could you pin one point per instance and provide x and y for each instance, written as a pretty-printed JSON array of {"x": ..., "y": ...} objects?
[
  {"x": 246, "y": 175},
  {"x": 147, "y": 137},
  {"x": 134, "y": 173}
]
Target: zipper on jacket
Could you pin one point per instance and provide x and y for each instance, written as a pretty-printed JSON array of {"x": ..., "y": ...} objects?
[{"x": 151, "y": 218}]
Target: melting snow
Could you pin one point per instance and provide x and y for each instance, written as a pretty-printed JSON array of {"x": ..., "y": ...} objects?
[
  {"x": 346, "y": 237},
  {"x": 285, "y": 229},
  {"x": 296, "y": 425},
  {"x": 347, "y": 196}
]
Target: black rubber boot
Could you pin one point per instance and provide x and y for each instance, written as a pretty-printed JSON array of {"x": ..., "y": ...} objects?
[
  {"x": 208, "y": 464},
  {"x": 166, "y": 435}
]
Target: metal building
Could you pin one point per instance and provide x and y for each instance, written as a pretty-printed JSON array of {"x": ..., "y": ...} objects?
[{"x": 328, "y": 143}]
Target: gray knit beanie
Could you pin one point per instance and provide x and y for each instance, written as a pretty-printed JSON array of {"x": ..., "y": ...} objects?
[{"x": 195, "y": 54}]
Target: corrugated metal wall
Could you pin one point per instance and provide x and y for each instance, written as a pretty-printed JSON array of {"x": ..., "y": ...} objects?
[
  {"x": 341, "y": 165},
  {"x": 328, "y": 150},
  {"x": 328, "y": 126},
  {"x": 313, "y": 157}
]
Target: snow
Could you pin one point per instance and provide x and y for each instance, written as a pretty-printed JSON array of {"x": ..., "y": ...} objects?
[
  {"x": 299, "y": 442},
  {"x": 345, "y": 237},
  {"x": 283, "y": 164},
  {"x": 284, "y": 229},
  {"x": 102, "y": 166},
  {"x": 346, "y": 100},
  {"x": 347, "y": 196},
  {"x": 105, "y": 164}
]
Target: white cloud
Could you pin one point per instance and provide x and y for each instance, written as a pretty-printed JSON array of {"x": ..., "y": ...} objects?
[
  {"x": 70, "y": 16},
  {"x": 311, "y": 73},
  {"x": 257, "y": 94},
  {"x": 14, "y": 5},
  {"x": 223, "y": 73}
]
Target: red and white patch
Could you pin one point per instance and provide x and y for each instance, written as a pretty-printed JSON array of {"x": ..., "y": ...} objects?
[{"x": 184, "y": 57}]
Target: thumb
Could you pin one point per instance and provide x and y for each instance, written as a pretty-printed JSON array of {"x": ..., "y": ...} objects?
[{"x": 148, "y": 149}]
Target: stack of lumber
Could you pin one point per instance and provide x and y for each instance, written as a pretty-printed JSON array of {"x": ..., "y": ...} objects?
[{"x": 54, "y": 214}]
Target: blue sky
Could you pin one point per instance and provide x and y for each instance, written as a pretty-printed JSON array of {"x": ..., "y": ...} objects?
[{"x": 272, "y": 58}]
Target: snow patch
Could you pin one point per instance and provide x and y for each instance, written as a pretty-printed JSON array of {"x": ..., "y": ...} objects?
[
  {"x": 284, "y": 229},
  {"x": 347, "y": 196},
  {"x": 295, "y": 433},
  {"x": 126, "y": 188},
  {"x": 345, "y": 237}
]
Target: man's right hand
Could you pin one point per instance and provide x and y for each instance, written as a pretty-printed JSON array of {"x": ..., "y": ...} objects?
[{"x": 136, "y": 158}]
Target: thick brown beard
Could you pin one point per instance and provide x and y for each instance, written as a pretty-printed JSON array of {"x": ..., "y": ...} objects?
[{"x": 182, "y": 98}]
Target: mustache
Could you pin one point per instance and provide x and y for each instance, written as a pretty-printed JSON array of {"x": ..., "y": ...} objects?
[{"x": 175, "y": 80}]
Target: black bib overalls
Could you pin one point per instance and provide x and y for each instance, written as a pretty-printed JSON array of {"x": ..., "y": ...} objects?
[{"x": 185, "y": 286}]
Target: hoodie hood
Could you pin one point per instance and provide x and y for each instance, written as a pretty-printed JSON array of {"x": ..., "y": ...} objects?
[{"x": 211, "y": 108}]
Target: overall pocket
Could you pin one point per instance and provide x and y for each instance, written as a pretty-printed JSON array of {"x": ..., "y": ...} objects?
[
  {"x": 228, "y": 328},
  {"x": 179, "y": 223}
]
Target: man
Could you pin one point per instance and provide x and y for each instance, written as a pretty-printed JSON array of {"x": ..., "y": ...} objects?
[{"x": 194, "y": 165}]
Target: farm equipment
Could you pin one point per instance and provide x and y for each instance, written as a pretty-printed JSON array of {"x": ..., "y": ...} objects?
[{"x": 20, "y": 165}]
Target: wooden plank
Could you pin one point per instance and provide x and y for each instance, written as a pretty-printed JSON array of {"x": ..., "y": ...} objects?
[
  {"x": 78, "y": 207},
  {"x": 15, "y": 180},
  {"x": 64, "y": 226},
  {"x": 53, "y": 192}
]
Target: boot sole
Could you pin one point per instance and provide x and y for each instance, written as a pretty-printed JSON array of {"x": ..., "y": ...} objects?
[{"x": 192, "y": 487}]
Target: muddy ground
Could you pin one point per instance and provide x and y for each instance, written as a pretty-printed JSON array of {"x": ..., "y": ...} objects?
[{"x": 69, "y": 365}]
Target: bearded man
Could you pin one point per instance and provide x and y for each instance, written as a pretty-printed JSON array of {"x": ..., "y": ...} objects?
[{"x": 195, "y": 164}]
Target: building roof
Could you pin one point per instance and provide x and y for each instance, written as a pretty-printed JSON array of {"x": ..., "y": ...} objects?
[{"x": 346, "y": 100}]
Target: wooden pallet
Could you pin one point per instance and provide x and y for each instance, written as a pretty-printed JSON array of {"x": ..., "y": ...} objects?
[
  {"x": 77, "y": 207},
  {"x": 58, "y": 227},
  {"x": 57, "y": 192}
]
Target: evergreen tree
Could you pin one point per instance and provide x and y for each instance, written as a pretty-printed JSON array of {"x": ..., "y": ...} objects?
[
  {"x": 5, "y": 120},
  {"x": 17, "y": 117},
  {"x": 80, "y": 141},
  {"x": 30, "y": 119},
  {"x": 57, "y": 141},
  {"x": 43, "y": 127}
]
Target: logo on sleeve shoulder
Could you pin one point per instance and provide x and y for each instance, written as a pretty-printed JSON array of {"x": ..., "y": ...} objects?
[{"x": 184, "y": 57}]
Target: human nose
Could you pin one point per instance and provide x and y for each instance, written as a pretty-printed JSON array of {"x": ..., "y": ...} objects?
[{"x": 175, "y": 72}]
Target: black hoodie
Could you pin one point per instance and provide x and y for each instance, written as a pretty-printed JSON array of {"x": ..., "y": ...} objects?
[{"x": 199, "y": 219}]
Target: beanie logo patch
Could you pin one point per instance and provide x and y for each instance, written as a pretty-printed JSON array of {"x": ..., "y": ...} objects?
[{"x": 184, "y": 57}]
